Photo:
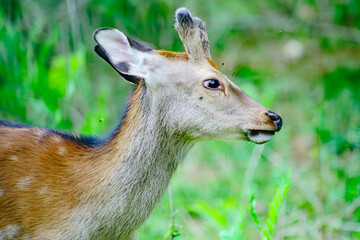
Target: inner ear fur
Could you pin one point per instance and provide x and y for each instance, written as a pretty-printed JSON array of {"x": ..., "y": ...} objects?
[
  {"x": 102, "y": 54},
  {"x": 121, "y": 52}
]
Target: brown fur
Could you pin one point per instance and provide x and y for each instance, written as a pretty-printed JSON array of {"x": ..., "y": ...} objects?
[
  {"x": 182, "y": 56},
  {"x": 60, "y": 172}
]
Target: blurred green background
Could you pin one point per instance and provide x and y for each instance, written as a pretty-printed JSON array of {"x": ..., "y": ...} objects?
[{"x": 299, "y": 58}]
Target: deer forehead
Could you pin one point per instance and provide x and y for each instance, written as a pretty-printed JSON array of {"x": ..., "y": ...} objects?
[{"x": 177, "y": 66}]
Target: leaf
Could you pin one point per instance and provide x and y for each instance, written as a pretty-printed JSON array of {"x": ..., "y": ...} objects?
[
  {"x": 253, "y": 211},
  {"x": 213, "y": 213},
  {"x": 174, "y": 231},
  {"x": 274, "y": 211}
]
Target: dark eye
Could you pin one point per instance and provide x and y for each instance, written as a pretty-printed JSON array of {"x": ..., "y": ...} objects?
[{"x": 212, "y": 84}]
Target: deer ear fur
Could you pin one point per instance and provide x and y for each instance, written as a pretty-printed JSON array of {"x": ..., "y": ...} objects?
[{"x": 124, "y": 54}]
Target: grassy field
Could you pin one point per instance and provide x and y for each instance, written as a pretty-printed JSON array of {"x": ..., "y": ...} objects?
[{"x": 299, "y": 58}]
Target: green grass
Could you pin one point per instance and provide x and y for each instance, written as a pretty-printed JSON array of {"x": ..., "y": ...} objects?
[{"x": 50, "y": 77}]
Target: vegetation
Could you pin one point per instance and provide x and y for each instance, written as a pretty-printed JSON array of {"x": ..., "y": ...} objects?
[{"x": 299, "y": 58}]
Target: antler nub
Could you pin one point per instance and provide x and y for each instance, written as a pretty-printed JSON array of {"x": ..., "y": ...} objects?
[{"x": 193, "y": 35}]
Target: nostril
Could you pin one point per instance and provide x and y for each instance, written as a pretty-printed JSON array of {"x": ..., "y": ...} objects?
[
  {"x": 276, "y": 119},
  {"x": 273, "y": 116}
]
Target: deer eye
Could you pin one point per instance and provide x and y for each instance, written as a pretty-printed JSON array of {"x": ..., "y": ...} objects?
[{"x": 212, "y": 84}]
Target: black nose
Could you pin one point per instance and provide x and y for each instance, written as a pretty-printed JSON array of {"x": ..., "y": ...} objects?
[{"x": 276, "y": 119}]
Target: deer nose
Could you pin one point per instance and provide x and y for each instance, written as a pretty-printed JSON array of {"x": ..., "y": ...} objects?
[{"x": 277, "y": 120}]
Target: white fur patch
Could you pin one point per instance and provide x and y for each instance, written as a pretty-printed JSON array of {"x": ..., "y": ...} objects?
[
  {"x": 43, "y": 191},
  {"x": 57, "y": 139},
  {"x": 10, "y": 232},
  {"x": 38, "y": 132},
  {"x": 14, "y": 158},
  {"x": 62, "y": 150},
  {"x": 24, "y": 183}
]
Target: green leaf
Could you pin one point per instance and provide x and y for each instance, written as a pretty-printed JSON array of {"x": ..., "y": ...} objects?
[
  {"x": 274, "y": 211},
  {"x": 213, "y": 213},
  {"x": 253, "y": 211}
]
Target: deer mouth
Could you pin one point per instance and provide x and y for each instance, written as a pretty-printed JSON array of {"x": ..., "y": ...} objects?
[{"x": 259, "y": 136}]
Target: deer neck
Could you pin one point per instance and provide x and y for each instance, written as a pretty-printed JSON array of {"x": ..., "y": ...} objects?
[
  {"x": 147, "y": 149},
  {"x": 143, "y": 154}
]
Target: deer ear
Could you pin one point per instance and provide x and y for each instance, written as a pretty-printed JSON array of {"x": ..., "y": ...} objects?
[
  {"x": 193, "y": 35},
  {"x": 124, "y": 54}
]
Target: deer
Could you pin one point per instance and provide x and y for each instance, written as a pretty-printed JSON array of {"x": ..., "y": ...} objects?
[{"x": 56, "y": 185}]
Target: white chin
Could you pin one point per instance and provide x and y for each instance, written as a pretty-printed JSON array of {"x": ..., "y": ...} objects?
[{"x": 259, "y": 137}]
